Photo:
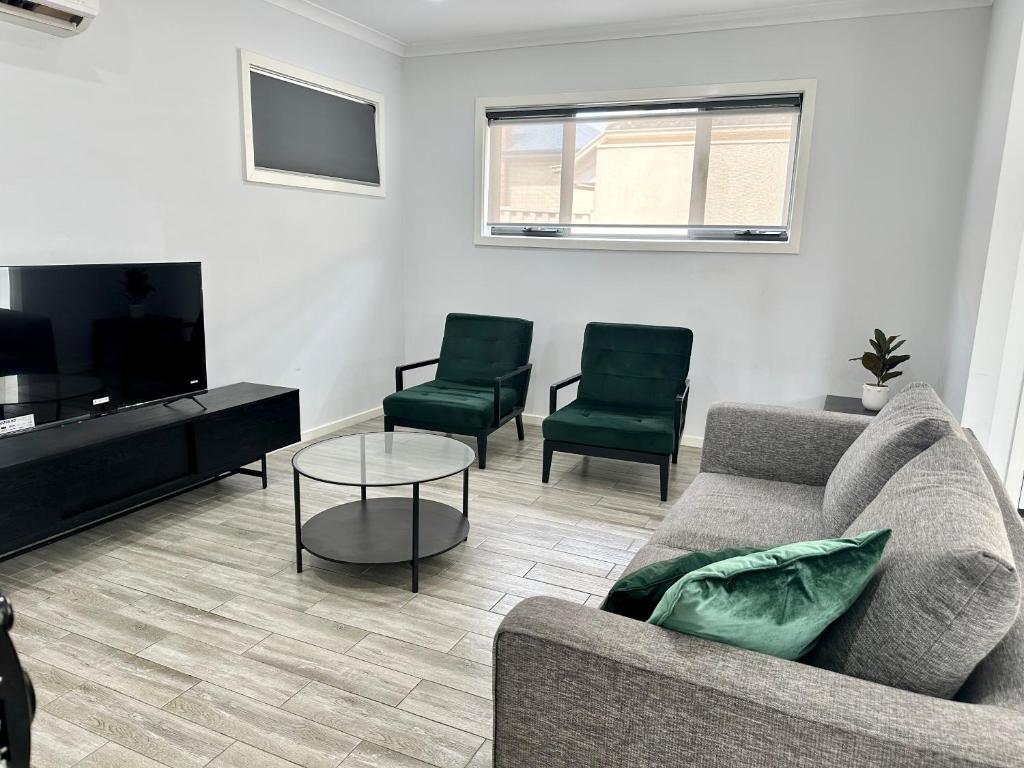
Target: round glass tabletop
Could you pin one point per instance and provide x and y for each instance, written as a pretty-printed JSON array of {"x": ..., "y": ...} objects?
[{"x": 383, "y": 458}]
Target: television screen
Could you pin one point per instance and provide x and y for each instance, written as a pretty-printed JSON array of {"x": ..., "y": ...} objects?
[{"x": 77, "y": 341}]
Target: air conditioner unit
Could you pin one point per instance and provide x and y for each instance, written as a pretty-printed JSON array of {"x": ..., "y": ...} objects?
[{"x": 58, "y": 17}]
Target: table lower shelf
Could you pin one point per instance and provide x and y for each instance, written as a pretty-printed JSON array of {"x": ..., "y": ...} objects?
[{"x": 379, "y": 531}]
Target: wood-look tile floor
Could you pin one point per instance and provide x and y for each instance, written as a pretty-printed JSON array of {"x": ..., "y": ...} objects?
[{"x": 181, "y": 635}]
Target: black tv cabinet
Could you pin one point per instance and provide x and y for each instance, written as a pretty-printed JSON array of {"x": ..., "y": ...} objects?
[{"x": 58, "y": 480}]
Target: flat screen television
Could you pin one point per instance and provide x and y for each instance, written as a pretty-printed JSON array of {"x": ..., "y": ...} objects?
[{"x": 84, "y": 340}]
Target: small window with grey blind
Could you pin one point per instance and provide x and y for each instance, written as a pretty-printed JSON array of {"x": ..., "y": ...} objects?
[
  {"x": 706, "y": 169},
  {"x": 304, "y": 129}
]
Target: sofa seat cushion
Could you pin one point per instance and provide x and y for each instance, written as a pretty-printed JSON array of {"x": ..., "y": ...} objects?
[
  {"x": 947, "y": 589},
  {"x": 612, "y": 426},
  {"x": 448, "y": 405},
  {"x": 719, "y": 511},
  {"x": 914, "y": 420},
  {"x": 652, "y": 553}
]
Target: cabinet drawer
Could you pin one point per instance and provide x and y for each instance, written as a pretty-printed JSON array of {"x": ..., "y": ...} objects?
[{"x": 231, "y": 439}]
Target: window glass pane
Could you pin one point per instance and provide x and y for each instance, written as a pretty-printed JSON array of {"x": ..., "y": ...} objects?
[
  {"x": 635, "y": 171},
  {"x": 749, "y": 170},
  {"x": 526, "y": 172}
]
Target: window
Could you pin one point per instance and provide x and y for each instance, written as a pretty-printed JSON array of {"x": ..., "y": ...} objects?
[
  {"x": 719, "y": 168},
  {"x": 306, "y": 130}
]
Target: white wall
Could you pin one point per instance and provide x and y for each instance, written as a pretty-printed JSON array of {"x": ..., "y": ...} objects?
[
  {"x": 125, "y": 143},
  {"x": 979, "y": 239},
  {"x": 886, "y": 190}
]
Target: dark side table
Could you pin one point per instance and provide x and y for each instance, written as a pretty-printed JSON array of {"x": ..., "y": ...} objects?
[{"x": 841, "y": 404}]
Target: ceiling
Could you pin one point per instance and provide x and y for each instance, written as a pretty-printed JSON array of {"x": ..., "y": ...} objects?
[{"x": 424, "y": 27}]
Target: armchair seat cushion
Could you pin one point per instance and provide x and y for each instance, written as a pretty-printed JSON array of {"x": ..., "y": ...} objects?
[
  {"x": 612, "y": 426},
  {"x": 449, "y": 405}
]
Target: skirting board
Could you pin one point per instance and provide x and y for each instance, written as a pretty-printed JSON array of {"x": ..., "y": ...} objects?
[
  {"x": 533, "y": 419},
  {"x": 689, "y": 441},
  {"x": 333, "y": 426}
]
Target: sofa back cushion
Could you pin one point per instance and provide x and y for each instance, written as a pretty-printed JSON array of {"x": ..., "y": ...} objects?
[
  {"x": 999, "y": 679},
  {"x": 634, "y": 365},
  {"x": 912, "y": 421},
  {"x": 477, "y": 348},
  {"x": 946, "y": 591}
]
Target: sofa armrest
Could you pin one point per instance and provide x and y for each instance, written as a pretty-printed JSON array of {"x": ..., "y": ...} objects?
[
  {"x": 574, "y": 686},
  {"x": 794, "y": 445}
]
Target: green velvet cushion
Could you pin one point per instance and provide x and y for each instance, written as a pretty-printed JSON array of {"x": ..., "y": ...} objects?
[
  {"x": 642, "y": 366},
  {"x": 778, "y": 601},
  {"x": 478, "y": 348},
  {"x": 609, "y": 426},
  {"x": 448, "y": 406},
  {"x": 637, "y": 594}
]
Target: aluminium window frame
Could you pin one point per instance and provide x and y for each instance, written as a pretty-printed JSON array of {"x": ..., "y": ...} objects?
[
  {"x": 253, "y": 62},
  {"x": 801, "y": 165}
]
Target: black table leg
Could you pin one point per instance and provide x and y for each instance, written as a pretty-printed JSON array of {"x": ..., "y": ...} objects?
[
  {"x": 415, "y": 537},
  {"x": 263, "y": 469},
  {"x": 298, "y": 526},
  {"x": 465, "y": 492}
]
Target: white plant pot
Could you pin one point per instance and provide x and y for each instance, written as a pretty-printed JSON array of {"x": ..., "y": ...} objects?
[{"x": 874, "y": 397}]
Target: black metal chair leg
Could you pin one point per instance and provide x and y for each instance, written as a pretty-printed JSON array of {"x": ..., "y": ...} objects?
[
  {"x": 663, "y": 467},
  {"x": 548, "y": 453},
  {"x": 481, "y": 451},
  {"x": 519, "y": 427}
]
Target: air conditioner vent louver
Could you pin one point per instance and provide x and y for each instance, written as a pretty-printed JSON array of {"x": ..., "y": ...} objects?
[{"x": 57, "y": 17}]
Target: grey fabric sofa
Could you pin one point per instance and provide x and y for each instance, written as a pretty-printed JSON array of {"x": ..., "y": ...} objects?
[{"x": 575, "y": 686}]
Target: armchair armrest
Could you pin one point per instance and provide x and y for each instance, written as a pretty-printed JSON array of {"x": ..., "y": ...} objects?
[
  {"x": 500, "y": 380},
  {"x": 575, "y": 686},
  {"x": 794, "y": 445},
  {"x": 553, "y": 394},
  {"x": 400, "y": 369},
  {"x": 683, "y": 396}
]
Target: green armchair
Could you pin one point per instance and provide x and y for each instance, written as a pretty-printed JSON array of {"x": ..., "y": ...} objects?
[
  {"x": 483, "y": 374},
  {"x": 631, "y": 401}
]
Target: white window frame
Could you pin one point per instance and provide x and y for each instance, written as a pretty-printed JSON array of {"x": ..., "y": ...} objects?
[
  {"x": 801, "y": 165},
  {"x": 264, "y": 65}
]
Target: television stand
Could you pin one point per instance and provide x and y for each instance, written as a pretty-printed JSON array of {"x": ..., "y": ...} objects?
[
  {"x": 193, "y": 398},
  {"x": 54, "y": 482}
]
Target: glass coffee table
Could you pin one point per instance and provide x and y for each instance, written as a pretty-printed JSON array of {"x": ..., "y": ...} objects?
[{"x": 386, "y": 530}]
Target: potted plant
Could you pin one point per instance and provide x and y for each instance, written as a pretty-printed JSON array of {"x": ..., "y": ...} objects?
[
  {"x": 137, "y": 288},
  {"x": 882, "y": 363}
]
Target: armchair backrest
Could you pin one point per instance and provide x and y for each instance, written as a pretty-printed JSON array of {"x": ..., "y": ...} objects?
[
  {"x": 477, "y": 348},
  {"x": 635, "y": 365}
]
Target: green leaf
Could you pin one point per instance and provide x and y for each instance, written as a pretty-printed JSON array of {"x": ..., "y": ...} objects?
[
  {"x": 890, "y": 376},
  {"x": 897, "y": 345},
  {"x": 872, "y": 362},
  {"x": 876, "y": 346},
  {"x": 895, "y": 360},
  {"x": 880, "y": 338}
]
